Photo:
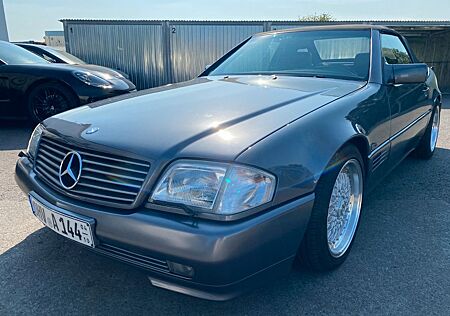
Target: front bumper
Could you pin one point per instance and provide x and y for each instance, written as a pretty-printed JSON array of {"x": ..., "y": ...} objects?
[{"x": 227, "y": 258}]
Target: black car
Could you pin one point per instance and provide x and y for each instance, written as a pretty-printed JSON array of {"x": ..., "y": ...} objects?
[
  {"x": 225, "y": 180},
  {"x": 52, "y": 55},
  {"x": 32, "y": 87},
  {"x": 57, "y": 56}
]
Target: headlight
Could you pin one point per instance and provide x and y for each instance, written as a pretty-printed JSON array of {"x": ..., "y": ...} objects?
[
  {"x": 92, "y": 80},
  {"x": 215, "y": 187},
  {"x": 34, "y": 140}
]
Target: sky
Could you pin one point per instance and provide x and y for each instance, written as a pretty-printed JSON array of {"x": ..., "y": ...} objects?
[{"x": 28, "y": 19}]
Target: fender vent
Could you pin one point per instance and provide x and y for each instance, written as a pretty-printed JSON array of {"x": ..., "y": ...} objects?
[{"x": 379, "y": 158}]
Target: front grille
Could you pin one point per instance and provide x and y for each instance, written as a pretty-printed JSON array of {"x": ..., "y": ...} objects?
[{"x": 104, "y": 177}]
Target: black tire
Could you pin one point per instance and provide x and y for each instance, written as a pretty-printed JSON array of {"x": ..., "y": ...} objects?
[
  {"x": 49, "y": 99},
  {"x": 425, "y": 150},
  {"x": 314, "y": 251}
]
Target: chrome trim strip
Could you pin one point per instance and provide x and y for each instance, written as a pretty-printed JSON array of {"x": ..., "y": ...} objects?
[{"x": 388, "y": 141}]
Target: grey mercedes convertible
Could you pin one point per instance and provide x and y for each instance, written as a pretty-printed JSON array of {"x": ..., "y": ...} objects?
[{"x": 215, "y": 185}]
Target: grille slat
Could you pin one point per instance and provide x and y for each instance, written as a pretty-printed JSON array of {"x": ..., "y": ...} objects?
[
  {"x": 60, "y": 153},
  {"x": 53, "y": 158},
  {"x": 46, "y": 174},
  {"x": 88, "y": 161},
  {"x": 111, "y": 182},
  {"x": 48, "y": 169},
  {"x": 48, "y": 161},
  {"x": 103, "y": 196},
  {"x": 113, "y": 174},
  {"x": 106, "y": 189},
  {"x": 145, "y": 165},
  {"x": 104, "y": 177}
]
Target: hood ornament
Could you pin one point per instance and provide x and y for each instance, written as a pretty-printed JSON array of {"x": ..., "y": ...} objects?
[{"x": 92, "y": 130}]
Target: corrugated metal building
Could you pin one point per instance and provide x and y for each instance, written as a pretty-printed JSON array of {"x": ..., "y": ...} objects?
[{"x": 160, "y": 52}]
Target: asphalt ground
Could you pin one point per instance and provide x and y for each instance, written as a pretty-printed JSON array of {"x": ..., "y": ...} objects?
[{"x": 400, "y": 262}]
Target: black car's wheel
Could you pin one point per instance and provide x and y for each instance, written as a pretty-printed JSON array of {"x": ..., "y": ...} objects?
[
  {"x": 49, "y": 99},
  {"x": 427, "y": 145},
  {"x": 336, "y": 212}
]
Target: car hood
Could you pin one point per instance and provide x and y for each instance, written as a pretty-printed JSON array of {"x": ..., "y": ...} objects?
[
  {"x": 56, "y": 69},
  {"x": 207, "y": 117}
]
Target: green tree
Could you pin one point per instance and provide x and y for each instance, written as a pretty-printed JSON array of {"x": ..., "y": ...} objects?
[{"x": 323, "y": 17}]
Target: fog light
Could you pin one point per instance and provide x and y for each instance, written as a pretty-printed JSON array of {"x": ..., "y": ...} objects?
[{"x": 181, "y": 269}]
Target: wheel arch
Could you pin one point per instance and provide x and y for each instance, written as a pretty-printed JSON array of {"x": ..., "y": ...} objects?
[{"x": 362, "y": 144}]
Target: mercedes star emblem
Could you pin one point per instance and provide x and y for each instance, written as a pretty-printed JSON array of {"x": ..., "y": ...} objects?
[{"x": 70, "y": 170}]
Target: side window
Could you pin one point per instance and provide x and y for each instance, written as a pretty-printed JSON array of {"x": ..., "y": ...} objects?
[{"x": 394, "y": 52}]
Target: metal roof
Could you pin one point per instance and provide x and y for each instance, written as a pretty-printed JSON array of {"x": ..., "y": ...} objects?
[
  {"x": 374, "y": 22},
  {"x": 414, "y": 27}
]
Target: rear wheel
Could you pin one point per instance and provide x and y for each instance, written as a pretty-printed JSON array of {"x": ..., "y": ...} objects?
[
  {"x": 49, "y": 99},
  {"x": 336, "y": 212},
  {"x": 427, "y": 145}
]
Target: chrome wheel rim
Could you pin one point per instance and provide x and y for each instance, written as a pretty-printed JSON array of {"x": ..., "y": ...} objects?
[
  {"x": 435, "y": 129},
  {"x": 344, "y": 208}
]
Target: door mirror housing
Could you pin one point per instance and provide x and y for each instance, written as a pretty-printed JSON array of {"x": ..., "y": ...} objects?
[{"x": 410, "y": 73}]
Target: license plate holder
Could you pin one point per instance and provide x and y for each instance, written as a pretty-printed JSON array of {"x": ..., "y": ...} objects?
[{"x": 68, "y": 225}]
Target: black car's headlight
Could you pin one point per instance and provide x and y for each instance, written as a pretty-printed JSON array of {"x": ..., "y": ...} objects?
[
  {"x": 34, "y": 140},
  {"x": 216, "y": 188},
  {"x": 92, "y": 80}
]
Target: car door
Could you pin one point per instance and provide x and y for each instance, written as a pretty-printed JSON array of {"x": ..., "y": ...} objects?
[
  {"x": 4, "y": 91},
  {"x": 408, "y": 102}
]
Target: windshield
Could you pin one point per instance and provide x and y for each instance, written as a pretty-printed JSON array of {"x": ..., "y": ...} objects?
[
  {"x": 15, "y": 55},
  {"x": 66, "y": 57},
  {"x": 343, "y": 54}
]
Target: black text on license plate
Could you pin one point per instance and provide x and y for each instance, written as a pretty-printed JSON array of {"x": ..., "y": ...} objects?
[{"x": 67, "y": 226}]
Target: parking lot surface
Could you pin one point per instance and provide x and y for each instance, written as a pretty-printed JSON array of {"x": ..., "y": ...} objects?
[{"x": 400, "y": 262}]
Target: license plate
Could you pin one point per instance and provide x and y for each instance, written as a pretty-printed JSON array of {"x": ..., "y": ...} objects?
[{"x": 67, "y": 226}]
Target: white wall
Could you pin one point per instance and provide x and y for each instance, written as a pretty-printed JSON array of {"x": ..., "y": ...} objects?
[{"x": 3, "y": 29}]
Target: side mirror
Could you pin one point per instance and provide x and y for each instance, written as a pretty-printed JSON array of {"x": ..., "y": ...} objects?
[{"x": 410, "y": 73}]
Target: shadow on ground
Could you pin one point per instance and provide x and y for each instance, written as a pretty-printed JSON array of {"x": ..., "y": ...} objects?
[
  {"x": 399, "y": 263},
  {"x": 14, "y": 134},
  {"x": 446, "y": 101}
]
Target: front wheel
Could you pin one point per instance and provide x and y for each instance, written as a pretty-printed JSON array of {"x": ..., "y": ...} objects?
[
  {"x": 49, "y": 99},
  {"x": 336, "y": 212}
]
